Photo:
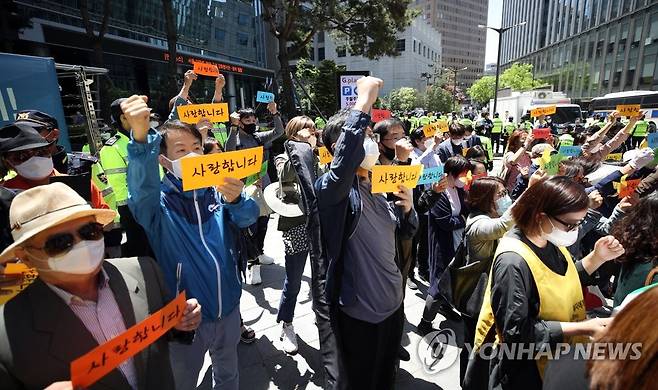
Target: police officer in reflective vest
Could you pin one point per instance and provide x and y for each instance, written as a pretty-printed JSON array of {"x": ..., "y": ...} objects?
[
  {"x": 114, "y": 159},
  {"x": 496, "y": 132},
  {"x": 640, "y": 132}
]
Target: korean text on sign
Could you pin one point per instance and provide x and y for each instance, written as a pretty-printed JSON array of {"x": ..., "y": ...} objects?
[
  {"x": 570, "y": 151},
  {"x": 205, "y": 69},
  {"x": 549, "y": 110},
  {"x": 98, "y": 362},
  {"x": 430, "y": 130},
  {"x": 211, "y": 169},
  {"x": 193, "y": 113},
  {"x": 264, "y": 97},
  {"x": 388, "y": 178},
  {"x": 325, "y": 156},
  {"x": 541, "y": 133},
  {"x": 628, "y": 109},
  {"x": 17, "y": 270},
  {"x": 652, "y": 140},
  {"x": 379, "y": 115},
  {"x": 614, "y": 157},
  {"x": 431, "y": 175}
]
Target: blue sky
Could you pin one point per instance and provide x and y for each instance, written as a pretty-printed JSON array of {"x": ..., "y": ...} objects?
[{"x": 494, "y": 19}]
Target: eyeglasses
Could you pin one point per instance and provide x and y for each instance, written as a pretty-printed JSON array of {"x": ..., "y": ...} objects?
[
  {"x": 61, "y": 243},
  {"x": 503, "y": 193},
  {"x": 569, "y": 226},
  {"x": 24, "y": 155},
  {"x": 395, "y": 139},
  {"x": 374, "y": 136}
]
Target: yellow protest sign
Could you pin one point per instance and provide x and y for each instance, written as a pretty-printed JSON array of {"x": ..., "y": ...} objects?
[
  {"x": 211, "y": 169},
  {"x": 614, "y": 157},
  {"x": 442, "y": 126},
  {"x": 628, "y": 109},
  {"x": 192, "y": 113},
  {"x": 626, "y": 187},
  {"x": 548, "y": 110},
  {"x": 325, "y": 156},
  {"x": 430, "y": 130},
  {"x": 21, "y": 274},
  {"x": 388, "y": 178},
  {"x": 98, "y": 362}
]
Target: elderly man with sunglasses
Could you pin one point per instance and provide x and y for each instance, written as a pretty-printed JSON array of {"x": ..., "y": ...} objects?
[{"x": 79, "y": 300}]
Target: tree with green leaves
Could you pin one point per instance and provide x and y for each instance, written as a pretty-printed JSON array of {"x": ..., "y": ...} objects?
[
  {"x": 438, "y": 99},
  {"x": 402, "y": 99},
  {"x": 321, "y": 83},
  {"x": 519, "y": 77},
  {"x": 370, "y": 28},
  {"x": 482, "y": 91}
]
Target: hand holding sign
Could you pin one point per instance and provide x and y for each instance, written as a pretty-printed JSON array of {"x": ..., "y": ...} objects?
[
  {"x": 206, "y": 69},
  {"x": 189, "y": 78},
  {"x": 231, "y": 189},
  {"x": 264, "y": 97},
  {"x": 403, "y": 149},
  {"x": 272, "y": 108},
  {"x": 406, "y": 199},
  {"x": 367, "y": 91},
  {"x": 191, "y": 316}
]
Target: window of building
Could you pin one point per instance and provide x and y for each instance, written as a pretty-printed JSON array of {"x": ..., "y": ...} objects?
[
  {"x": 243, "y": 39},
  {"x": 414, "y": 45},
  {"x": 220, "y": 34},
  {"x": 243, "y": 19},
  {"x": 311, "y": 54},
  {"x": 321, "y": 54},
  {"x": 340, "y": 51},
  {"x": 321, "y": 37},
  {"x": 400, "y": 45}
]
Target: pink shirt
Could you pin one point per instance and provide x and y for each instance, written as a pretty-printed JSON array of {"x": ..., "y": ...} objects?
[{"x": 102, "y": 319}]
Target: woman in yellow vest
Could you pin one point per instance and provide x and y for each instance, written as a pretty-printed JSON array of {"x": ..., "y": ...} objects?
[{"x": 534, "y": 297}]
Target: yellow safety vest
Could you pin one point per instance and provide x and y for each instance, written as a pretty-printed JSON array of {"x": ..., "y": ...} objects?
[{"x": 560, "y": 296}]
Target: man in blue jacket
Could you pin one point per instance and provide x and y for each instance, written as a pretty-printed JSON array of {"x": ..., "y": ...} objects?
[
  {"x": 194, "y": 231},
  {"x": 360, "y": 232}
]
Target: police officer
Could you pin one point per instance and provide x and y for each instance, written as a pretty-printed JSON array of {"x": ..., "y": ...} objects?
[
  {"x": 496, "y": 131},
  {"x": 114, "y": 160},
  {"x": 639, "y": 132}
]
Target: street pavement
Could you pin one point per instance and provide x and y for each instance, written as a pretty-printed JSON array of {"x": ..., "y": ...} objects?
[{"x": 263, "y": 364}]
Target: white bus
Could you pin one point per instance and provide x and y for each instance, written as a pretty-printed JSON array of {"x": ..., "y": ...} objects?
[{"x": 648, "y": 101}]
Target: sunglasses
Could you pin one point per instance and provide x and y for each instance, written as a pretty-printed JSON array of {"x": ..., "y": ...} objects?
[
  {"x": 61, "y": 243},
  {"x": 569, "y": 226}
]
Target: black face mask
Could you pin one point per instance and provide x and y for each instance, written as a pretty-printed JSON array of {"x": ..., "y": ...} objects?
[
  {"x": 388, "y": 152},
  {"x": 250, "y": 128}
]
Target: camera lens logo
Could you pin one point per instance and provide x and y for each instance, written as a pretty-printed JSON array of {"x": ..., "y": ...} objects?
[{"x": 438, "y": 351}]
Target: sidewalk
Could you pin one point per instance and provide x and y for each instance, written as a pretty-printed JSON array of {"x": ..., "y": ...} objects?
[{"x": 264, "y": 366}]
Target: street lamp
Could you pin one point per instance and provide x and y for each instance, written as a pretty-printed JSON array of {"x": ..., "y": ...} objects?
[
  {"x": 454, "y": 86},
  {"x": 500, "y": 32}
]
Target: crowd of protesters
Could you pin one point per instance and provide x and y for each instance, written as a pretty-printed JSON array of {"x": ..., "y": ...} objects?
[{"x": 520, "y": 255}]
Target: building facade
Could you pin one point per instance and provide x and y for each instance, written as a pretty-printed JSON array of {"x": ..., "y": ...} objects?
[
  {"x": 230, "y": 34},
  {"x": 585, "y": 48},
  {"x": 417, "y": 64},
  {"x": 463, "y": 44}
]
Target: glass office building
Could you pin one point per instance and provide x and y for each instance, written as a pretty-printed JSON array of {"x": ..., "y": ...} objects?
[
  {"x": 585, "y": 48},
  {"x": 228, "y": 33}
]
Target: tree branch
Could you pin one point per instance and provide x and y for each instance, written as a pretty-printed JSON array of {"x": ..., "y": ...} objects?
[
  {"x": 295, "y": 50},
  {"x": 84, "y": 12},
  {"x": 291, "y": 17},
  {"x": 269, "y": 18},
  {"x": 107, "y": 10}
]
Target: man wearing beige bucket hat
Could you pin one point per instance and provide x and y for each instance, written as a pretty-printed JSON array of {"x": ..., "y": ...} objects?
[{"x": 79, "y": 300}]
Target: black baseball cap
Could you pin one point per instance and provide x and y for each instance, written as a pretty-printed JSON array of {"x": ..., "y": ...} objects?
[
  {"x": 37, "y": 120},
  {"x": 20, "y": 136},
  {"x": 115, "y": 110}
]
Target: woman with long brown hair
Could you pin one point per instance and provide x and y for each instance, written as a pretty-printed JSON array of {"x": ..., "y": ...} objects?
[{"x": 517, "y": 158}]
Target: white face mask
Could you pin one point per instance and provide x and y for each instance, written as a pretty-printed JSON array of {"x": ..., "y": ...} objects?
[
  {"x": 502, "y": 204},
  {"x": 372, "y": 154},
  {"x": 561, "y": 238},
  {"x": 84, "y": 258},
  {"x": 36, "y": 168},
  {"x": 176, "y": 166},
  {"x": 459, "y": 183},
  {"x": 457, "y": 142},
  {"x": 154, "y": 124}
]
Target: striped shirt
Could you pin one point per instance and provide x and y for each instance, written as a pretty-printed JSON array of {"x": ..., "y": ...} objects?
[{"x": 102, "y": 319}]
